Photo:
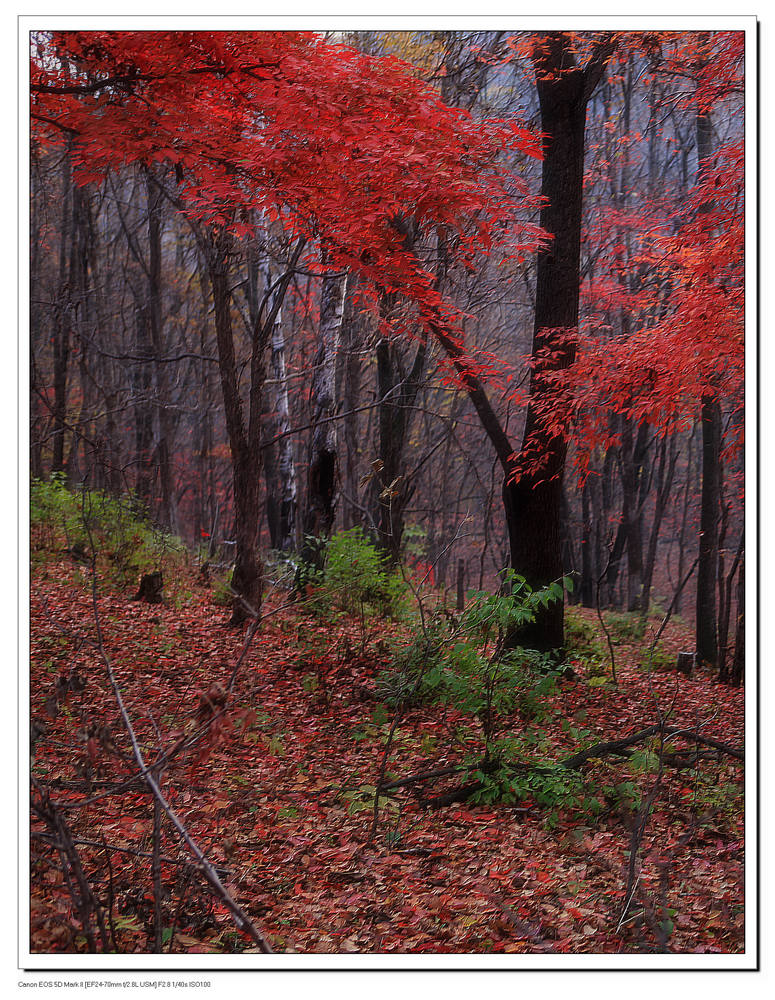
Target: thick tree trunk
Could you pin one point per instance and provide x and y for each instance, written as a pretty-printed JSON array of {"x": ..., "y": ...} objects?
[
  {"x": 533, "y": 501},
  {"x": 245, "y": 453},
  {"x": 738, "y": 663},
  {"x": 710, "y": 503},
  {"x": 710, "y": 506}
]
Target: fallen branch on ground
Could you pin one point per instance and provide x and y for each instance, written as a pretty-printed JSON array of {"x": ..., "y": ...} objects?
[{"x": 621, "y": 747}]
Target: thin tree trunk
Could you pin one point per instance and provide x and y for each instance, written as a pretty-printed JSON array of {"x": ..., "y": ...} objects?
[
  {"x": 665, "y": 473},
  {"x": 396, "y": 393},
  {"x": 351, "y": 376},
  {"x": 166, "y": 423},
  {"x": 143, "y": 414},
  {"x": 285, "y": 466},
  {"x": 244, "y": 434},
  {"x": 631, "y": 464},
  {"x": 63, "y": 317},
  {"x": 725, "y": 602},
  {"x": 587, "y": 550}
]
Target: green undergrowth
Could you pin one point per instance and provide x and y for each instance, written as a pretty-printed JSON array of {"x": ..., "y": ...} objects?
[
  {"x": 625, "y": 627},
  {"x": 90, "y": 524},
  {"x": 345, "y": 573},
  {"x": 659, "y": 660},
  {"x": 467, "y": 664}
]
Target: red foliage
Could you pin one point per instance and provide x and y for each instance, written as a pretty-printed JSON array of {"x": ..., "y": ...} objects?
[
  {"x": 334, "y": 144},
  {"x": 685, "y": 310}
]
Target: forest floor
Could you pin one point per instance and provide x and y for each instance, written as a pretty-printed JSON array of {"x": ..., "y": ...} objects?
[{"x": 278, "y": 792}]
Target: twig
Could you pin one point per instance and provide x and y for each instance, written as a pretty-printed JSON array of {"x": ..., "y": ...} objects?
[
  {"x": 210, "y": 874},
  {"x": 600, "y": 613}
]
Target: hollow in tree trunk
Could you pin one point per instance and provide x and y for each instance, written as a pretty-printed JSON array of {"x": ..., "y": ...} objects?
[{"x": 323, "y": 463}]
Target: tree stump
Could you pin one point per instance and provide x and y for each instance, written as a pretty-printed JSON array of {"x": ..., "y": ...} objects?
[
  {"x": 684, "y": 663},
  {"x": 150, "y": 591}
]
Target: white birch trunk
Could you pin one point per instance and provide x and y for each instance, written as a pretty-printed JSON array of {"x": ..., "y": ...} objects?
[
  {"x": 322, "y": 483},
  {"x": 286, "y": 468}
]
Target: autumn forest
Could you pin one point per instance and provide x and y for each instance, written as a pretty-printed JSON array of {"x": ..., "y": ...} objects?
[{"x": 387, "y": 469}]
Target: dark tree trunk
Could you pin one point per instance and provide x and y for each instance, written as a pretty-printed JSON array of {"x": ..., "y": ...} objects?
[
  {"x": 396, "y": 392},
  {"x": 631, "y": 456},
  {"x": 568, "y": 549},
  {"x": 36, "y": 323},
  {"x": 245, "y": 453},
  {"x": 690, "y": 463},
  {"x": 533, "y": 501},
  {"x": 738, "y": 663},
  {"x": 710, "y": 507},
  {"x": 588, "y": 565},
  {"x": 350, "y": 378},
  {"x": 710, "y": 503},
  {"x": 725, "y": 604}
]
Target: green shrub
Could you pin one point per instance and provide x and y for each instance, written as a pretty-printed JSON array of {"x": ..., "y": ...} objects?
[
  {"x": 410, "y": 678},
  {"x": 126, "y": 545},
  {"x": 551, "y": 786},
  {"x": 580, "y": 635},
  {"x": 357, "y": 576},
  {"x": 488, "y": 615},
  {"x": 308, "y": 567},
  {"x": 55, "y": 514},
  {"x": 717, "y": 800},
  {"x": 223, "y": 596},
  {"x": 414, "y": 541},
  {"x": 623, "y": 795},
  {"x": 596, "y": 669},
  {"x": 469, "y": 668},
  {"x": 659, "y": 660},
  {"x": 624, "y": 627}
]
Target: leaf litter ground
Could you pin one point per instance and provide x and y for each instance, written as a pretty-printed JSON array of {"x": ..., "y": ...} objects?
[{"x": 278, "y": 792}]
